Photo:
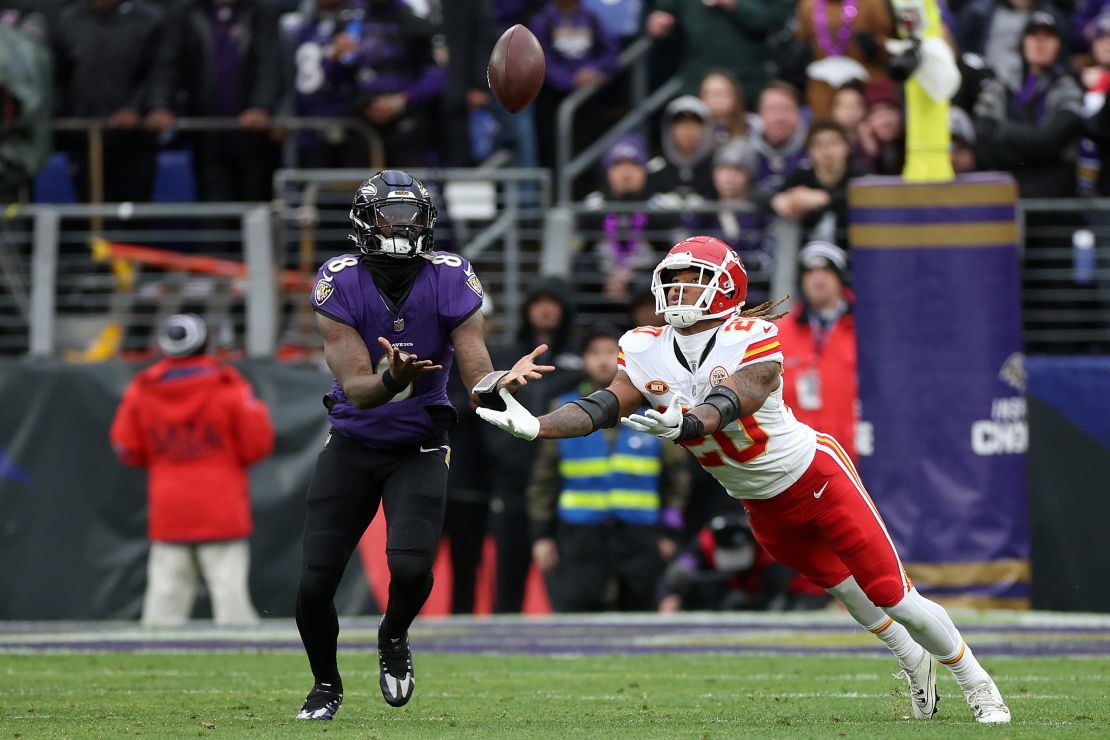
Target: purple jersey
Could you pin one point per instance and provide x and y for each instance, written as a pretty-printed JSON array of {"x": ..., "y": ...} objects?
[{"x": 445, "y": 293}]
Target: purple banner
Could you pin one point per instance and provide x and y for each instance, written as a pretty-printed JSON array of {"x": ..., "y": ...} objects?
[{"x": 941, "y": 381}]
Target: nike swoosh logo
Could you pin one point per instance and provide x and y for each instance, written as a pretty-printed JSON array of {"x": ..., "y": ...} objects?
[
  {"x": 820, "y": 491},
  {"x": 766, "y": 330},
  {"x": 434, "y": 449}
]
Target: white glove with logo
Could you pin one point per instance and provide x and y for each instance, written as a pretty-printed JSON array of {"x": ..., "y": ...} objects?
[
  {"x": 666, "y": 425},
  {"x": 515, "y": 419}
]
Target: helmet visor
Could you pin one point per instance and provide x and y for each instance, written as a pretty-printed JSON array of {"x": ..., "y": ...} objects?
[{"x": 401, "y": 214}]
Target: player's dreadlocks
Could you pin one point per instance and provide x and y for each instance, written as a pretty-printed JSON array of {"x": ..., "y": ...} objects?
[{"x": 765, "y": 311}]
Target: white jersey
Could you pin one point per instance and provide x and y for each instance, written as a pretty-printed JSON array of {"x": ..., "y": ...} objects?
[{"x": 756, "y": 457}]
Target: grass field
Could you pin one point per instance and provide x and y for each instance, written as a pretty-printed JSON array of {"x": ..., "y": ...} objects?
[{"x": 655, "y": 683}]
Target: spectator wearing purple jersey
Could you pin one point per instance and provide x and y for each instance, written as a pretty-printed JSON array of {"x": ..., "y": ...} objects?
[
  {"x": 229, "y": 66},
  {"x": 323, "y": 46},
  {"x": 579, "y": 52},
  {"x": 374, "y": 62}
]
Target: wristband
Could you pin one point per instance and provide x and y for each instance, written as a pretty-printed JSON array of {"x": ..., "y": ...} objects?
[
  {"x": 692, "y": 428},
  {"x": 391, "y": 384}
]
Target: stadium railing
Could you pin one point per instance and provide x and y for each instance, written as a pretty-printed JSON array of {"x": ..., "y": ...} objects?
[
  {"x": 94, "y": 129},
  {"x": 1065, "y": 275},
  {"x": 633, "y": 60},
  {"x": 90, "y": 282},
  {"x": 69, "y": 290},
  {"x": 90, "y": 294},
  {"x": 574, "y": 234}
]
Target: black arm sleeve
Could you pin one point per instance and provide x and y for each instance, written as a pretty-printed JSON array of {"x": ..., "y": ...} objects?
[{"x": 603, "y": 408}]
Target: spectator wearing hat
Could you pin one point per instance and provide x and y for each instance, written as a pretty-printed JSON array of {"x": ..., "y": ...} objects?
[
  {"x": 992, "y": 29},
  {"x": 579, "y": 51},
  {"x": 883, "y": 133},
  {"x": 689, "y": 139},
  {"x": 962, "y": 150},
  {"x": 819, "y": 344},
  {"x": 1031, "y": 130},
  {"x": 778, "y": 134},
  {"x": 816, "y": 193},
  {"x": 606, "y": 509},
  {"x": 196, "y": 427},
  {"x": 845, "y": 41},
  {"x": 738, "y": 222},
  {"x": 620, "y": 242}
]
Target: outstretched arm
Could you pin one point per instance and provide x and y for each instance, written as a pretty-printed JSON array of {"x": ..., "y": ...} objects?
[
  {"x": 738, "y": 396},
  {"x": 575, "y": 419},
  {"x": 571, "y": 420},
  {"x": 469, "y": 340}
]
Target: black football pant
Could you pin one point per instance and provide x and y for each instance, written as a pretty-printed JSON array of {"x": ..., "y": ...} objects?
[
  {"x": 349, "y": 482},
  {"x": 609, "y": 566}
]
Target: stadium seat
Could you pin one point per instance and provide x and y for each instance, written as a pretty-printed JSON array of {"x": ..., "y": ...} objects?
[
  {"x": 53, "y": 185},
  {"x": 174, "y": 181}
]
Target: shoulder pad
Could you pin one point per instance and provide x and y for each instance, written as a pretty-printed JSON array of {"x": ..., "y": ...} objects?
[
  {"x": 641, "y": 338},
  {"x": 743, "y": 331}
]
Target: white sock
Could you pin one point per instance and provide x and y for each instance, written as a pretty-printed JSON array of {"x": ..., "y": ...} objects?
[
  {"x": 931, "y": 627},
  {"x": 875, "y": 620}
]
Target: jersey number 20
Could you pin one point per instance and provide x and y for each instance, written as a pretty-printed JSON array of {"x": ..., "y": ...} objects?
[{"x": 708, "y": 450}]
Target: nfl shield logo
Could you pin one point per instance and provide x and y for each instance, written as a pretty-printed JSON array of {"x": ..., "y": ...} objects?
[{"x": 398, "y": 324}]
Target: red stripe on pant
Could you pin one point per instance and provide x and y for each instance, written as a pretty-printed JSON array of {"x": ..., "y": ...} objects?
[{"x": 825, "y": 527}]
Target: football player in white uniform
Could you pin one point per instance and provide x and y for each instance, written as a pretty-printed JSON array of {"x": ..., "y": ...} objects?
[{"x": 712, "y": 380}]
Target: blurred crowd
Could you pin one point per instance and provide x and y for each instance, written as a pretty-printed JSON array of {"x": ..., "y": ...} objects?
[{"x": 783, "y": 101}]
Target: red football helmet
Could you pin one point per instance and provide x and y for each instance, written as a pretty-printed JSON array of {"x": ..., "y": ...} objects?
[{"x": 722, "y": 275}]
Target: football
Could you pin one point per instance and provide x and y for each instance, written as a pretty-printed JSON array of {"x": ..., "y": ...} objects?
[{"x": 516, "y": 68}]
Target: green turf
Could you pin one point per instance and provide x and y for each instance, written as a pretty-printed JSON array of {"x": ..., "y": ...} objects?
[{"x": 235, "y": 694}]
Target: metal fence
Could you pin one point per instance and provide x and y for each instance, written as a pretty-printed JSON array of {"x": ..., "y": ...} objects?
[
  {"x": 89, "y": 294},
  {"x": 601, "y": 243},
  {"x": 1066, "y": 275},
  {"x": 90, "y": 282}
]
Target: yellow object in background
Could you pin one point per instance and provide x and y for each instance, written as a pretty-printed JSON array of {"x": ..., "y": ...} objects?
[{"x": 928, "y": 138}]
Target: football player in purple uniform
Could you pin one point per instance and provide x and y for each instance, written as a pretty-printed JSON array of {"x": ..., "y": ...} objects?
[{"x": 392, "y": 316}]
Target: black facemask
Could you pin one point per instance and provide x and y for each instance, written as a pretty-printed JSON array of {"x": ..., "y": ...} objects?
[{"x": 393, "y": 276}]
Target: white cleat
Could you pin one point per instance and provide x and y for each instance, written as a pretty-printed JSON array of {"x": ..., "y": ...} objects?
[
  {"x": 922, "y": 678},
  {"x": 987, "y": 704}
]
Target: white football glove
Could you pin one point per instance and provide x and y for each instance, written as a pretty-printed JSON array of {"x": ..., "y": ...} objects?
[
  {"x": 666, "y": 425},
  {"x": 515, "y": 419}
]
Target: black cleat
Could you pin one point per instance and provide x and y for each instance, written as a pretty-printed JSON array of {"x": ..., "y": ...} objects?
[
  {"x": 395, "y": 673},
  {"x": 321, "y": 703}
]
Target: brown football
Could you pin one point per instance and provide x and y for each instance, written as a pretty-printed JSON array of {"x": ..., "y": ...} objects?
[{"x": 516, "y": 68}]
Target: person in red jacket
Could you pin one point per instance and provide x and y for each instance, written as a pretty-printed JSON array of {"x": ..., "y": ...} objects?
[
  {"x": 196, "y": 426},
  {"x": 819, "y": 344}
]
